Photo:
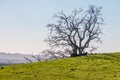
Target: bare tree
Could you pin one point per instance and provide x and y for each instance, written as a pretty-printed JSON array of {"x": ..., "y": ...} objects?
[
  {"x": 77, "y": 30},
  {"x": 29, "y": 60},
  {"x": 51, "y": 54},
  {"x": 36, "y": 57}
]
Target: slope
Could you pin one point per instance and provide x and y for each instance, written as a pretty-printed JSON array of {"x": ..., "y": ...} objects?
[{"x": 91, "y": 67}]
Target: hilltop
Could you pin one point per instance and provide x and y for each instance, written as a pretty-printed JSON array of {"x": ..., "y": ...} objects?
[{"x": 91, "y": 67}]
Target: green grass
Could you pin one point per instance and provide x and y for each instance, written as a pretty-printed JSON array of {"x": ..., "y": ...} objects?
[{"x": 91, "y": 67}]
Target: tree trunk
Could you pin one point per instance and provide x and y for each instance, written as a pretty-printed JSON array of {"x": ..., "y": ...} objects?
[
  {"x": 74, "y": 53},
  {"x": 80, "y": 51}
]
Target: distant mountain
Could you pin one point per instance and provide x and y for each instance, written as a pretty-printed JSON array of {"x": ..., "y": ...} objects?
[
  {"x": 16, "y": 58},
  {"x": 8, "y": 58}
]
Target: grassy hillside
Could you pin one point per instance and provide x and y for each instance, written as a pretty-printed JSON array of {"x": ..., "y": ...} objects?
[{"x": 92, "y": 67}]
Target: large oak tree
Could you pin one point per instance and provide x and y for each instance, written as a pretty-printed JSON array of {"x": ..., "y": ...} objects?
[{"x": 76, "y": 30}]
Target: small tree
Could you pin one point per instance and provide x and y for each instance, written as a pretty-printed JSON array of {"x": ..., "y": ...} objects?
[{"x": 77, "y": 30}]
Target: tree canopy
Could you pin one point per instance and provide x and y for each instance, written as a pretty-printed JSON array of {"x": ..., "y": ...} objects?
[{"x": 77, "y": 30}]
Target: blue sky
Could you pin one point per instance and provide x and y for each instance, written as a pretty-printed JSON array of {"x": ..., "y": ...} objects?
[{"x": 22, "y": 23}]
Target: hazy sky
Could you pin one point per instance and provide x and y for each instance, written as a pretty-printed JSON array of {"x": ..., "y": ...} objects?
[{"x": 22, "y": 23}]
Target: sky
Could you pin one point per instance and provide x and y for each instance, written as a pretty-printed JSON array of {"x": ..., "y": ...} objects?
[{"x": 23, "y": 23}]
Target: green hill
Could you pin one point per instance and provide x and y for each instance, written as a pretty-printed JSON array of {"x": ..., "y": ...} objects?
[{"x": 91, "y": 67}]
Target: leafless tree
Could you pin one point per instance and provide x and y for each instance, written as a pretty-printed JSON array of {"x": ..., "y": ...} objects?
[
  {"x": 29, "y": 60},
  {"x": 36, "y": 57},
  {"x": 51, "y": 54},
  {"x": 77, "y": 30}
]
